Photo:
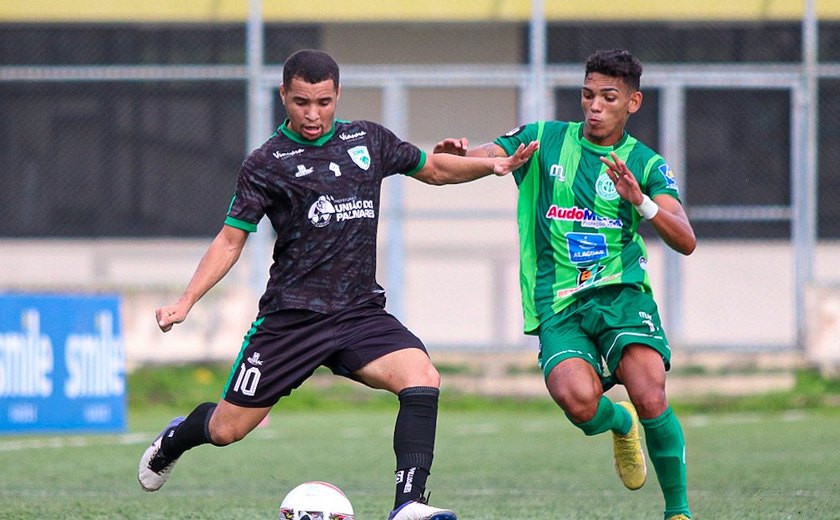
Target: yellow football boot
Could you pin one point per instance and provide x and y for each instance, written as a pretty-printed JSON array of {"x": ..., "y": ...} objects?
[{"x": 629, "y": 457}]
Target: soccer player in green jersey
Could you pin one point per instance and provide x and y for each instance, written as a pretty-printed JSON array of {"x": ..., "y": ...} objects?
[{"x": 583, "y": 270}]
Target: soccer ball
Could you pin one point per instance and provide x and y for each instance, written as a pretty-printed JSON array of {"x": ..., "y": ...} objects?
[{"x": 316, "y": 501}]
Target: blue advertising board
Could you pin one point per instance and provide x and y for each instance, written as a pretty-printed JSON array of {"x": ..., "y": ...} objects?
[{"x": 62, "y": 364}]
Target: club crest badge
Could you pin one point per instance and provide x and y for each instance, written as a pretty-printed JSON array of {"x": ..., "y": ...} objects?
[
  {"x": 360, "y": 156},
  {"x": 605, "y": 188}
]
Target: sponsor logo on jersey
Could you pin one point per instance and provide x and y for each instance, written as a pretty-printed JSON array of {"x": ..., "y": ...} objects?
[
  {"x": 605, "y": 188},
  {"x": 585, "y": 216},
  {"x": 643, "y": 263},
  {"x": 255, "y": 359},
  {"x": 586, "y": 247},
  {"x": 302, "y": 170},
  {"x": 587, "y": 275},
  {"x": 283, "y": 155},
  {"x": 347, "y": 137},
  {"x": 335, "y": 169},
  {"x": 557, "y": 172},
  {"x": 513, "y": 131},
  {"x": 321, "y": 211},
  {"x": 670, "y": 178},
  {"x": 353, "y": 209},
  {"x": 562, "y": 293},
  {"x": 326, "y": 208},
  {"x": 360, "y": 156}
]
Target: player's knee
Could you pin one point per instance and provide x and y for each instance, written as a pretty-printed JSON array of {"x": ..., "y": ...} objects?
[
  {"x": 579, "y": 410},
  {"x": 578, "y": 402},
  {"x": 225, "y": 434},
  {"x": 650, "y": 403},
  {"x": 429, "y": 376}
]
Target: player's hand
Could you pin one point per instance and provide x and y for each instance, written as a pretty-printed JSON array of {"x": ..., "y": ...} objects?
[
  {"x": 452, "y": 146},
  {"x": 505, "y": 165},
  {"x": 623, "y": 179},
  {"x": 170, "y": 315}
]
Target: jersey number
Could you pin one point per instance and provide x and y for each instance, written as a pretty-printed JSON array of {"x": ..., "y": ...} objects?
[{"x": 247, "y": 380}]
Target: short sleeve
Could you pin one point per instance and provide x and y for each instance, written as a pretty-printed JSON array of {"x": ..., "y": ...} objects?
[
  {"x": 661, "y": 179},
  {"x": 251, "y": 198},
  {"x": 397, "y": 156},
  {"x": 520, "y": 135}
]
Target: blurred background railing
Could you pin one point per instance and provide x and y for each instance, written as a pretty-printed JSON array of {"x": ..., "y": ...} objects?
[{"x": 122, "y": 129}]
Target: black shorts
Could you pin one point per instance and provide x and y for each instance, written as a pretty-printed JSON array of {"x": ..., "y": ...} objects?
[{"x": 283, "y": 349}]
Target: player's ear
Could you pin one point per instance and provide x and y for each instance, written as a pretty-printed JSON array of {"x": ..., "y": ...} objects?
[
  {"x": 635, "y": 102},
  {"x": 283, "y": 94},
  {"x": 338, "y": 92}
]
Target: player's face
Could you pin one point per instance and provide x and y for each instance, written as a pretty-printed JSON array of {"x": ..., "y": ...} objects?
[
  {"x": 607, "y": 103},
  {"x": 310, "y": 106}
]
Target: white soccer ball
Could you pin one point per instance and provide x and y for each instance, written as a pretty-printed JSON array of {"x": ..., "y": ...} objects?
[{"x": 316, "y": 501}]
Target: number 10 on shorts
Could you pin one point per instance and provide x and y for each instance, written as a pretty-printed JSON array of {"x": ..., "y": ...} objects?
[{"x": 247, "y": 380}]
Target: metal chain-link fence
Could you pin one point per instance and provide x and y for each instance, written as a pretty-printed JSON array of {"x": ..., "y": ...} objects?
[{"x": 138, "y": 132}]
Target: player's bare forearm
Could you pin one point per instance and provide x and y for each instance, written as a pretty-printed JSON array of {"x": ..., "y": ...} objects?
[
  {"x": 461, "y": 147},
  {"x": 489, "y": 150},
  {"x": 217, "y": 261},
  {"x": 444, "y": 168},
  {"x": 672, "y": 225},
  {"x": 222, "y": 254}
]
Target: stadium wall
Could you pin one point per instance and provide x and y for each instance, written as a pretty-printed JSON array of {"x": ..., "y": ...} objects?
[{"x": 457, "y": 300}]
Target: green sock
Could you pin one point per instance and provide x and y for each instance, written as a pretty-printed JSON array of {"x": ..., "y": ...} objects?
[
  {"x": 609, "y": 416},
  {"x": 666, "y": 449}
]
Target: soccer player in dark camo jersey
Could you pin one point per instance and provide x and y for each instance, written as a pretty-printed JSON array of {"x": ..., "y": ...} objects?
[
  {"x": 585, "y": 288},
  {"x": 317, "y": 180}
]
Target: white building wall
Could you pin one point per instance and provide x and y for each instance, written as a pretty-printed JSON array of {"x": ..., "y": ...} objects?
[{"x": 456, "y": 288}]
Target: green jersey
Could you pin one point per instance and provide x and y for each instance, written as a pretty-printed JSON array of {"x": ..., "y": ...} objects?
[{"x": 576, "y": 234}]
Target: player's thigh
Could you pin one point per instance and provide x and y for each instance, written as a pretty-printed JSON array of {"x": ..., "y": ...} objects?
[
  {"x": 627, "y": 316},
  {"x": 563, "y": 338},
  {"x": 280, "y": 351},
  {"x": 378, "y": 350},
  {"x": 398, "y": 370},
  {"x": 642, "y": 371}
]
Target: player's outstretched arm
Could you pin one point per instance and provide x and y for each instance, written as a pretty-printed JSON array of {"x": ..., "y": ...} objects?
[
  {"x": 462, "y": 147},
  {"x": 453, "y": 168},
  {"x": 222, "y": 254},
  {"x": 665, "y": 213}
]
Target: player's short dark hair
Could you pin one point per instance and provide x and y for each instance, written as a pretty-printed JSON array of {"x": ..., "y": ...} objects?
[
  {"x": 616, "y": 63},
  {"x": 310, "y": 65}
]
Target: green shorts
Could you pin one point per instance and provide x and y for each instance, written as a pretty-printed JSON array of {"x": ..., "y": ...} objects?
[{"x": 598, "y": 327}]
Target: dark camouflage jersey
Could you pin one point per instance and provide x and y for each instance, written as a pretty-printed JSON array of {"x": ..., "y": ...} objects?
[{"x": 322, "y": 199}]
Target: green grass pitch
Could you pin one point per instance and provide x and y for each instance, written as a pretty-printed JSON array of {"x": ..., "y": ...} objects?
[{"x": 490, "y": 464}]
